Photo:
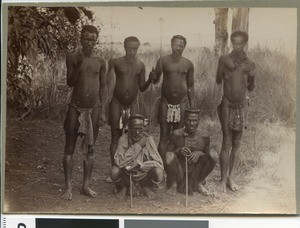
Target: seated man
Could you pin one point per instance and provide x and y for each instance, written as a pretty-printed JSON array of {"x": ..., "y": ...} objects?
[
  {"x": 189, "y": 142},
  {"x": 137, "y": 153}
]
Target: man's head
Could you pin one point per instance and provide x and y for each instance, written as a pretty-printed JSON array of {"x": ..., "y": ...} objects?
[
  {"x": 89, "y": 36},
  {"x": 191, "y": 120},
  {"x": 136, "y": 127},
  {"x": 131, "y": 45},
  {"x": 239, "y": 40},
  {"x": 178, "y": 44}
]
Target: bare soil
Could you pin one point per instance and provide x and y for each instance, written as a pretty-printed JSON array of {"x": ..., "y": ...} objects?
[{"x": 34, "y": 180}]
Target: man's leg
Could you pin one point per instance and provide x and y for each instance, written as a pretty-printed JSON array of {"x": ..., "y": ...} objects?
[
  {"x": 202, "y": 169},
  {"x": 165, "y": 130},
  {"x": 234, "y": 158},
  {"x": 88, "y": 163},
  {"x": 154, "y": 176},
  {"x": 226, "y": 144},
  {"x": 71, "y": 125},
  {"x": 114, "y": 117},
  {"x": 121, "y": 181},
  {"x": 174, "y": 172}
]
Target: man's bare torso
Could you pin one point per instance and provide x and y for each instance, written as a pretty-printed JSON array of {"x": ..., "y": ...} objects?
[
  {"x": 87, "y": 87},
  {"x": 127, "y": 76},
  {"x": 235, "y": 80},
  {"x": 174, "y": 85}
]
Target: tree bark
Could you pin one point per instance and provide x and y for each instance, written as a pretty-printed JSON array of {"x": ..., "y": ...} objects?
[
  {"x": 240, "y": 19},
  {"x": 221, "y": 34}
]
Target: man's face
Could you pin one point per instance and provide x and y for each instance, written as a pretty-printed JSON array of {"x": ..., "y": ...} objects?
[
  {"x": 88, "y": 41},
  {"x": 238, "y": 43},
  {"x": 131, "y": 48},
  {"x": 177, "y": 46},
  {"x": 136, "y": 129},
  {"x": 191, "y": 122}
]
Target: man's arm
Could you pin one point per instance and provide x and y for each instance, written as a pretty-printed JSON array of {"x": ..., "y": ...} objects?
[
  {"x": 156, "y": 74},
  {"x": 251, "y": 77},
  {"x": 220, "y": 71},
  {"x": 103, "y": 89},
  {"x": 72, "y": 69},
  {"x": 125, "y": 154},
  {"x": 143, "y": 84},
  {"x": 190, "y": 86}
]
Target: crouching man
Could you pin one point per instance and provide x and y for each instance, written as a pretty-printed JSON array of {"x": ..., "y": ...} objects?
[
  {"x": 137, "y": 154},
  {"x": 189, "y": 143}
]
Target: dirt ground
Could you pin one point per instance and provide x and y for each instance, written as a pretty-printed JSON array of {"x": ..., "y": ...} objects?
[{"x": 34, "y": 180}]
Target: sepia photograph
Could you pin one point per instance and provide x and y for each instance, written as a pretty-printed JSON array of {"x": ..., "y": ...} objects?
[{"x": 149, "y": 110}]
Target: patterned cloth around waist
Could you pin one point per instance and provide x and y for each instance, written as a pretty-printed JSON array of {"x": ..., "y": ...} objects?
[
  {"x": 236, "y": 116},
  {"x": 173, "y": 113}
]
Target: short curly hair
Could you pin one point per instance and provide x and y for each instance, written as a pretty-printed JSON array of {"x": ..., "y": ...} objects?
[
  {"x": 90, "y": 29},
  {"x": 131, "y": 39},
  {"x": 240, "y": 34},
  {"x": 180, "y": 37}
]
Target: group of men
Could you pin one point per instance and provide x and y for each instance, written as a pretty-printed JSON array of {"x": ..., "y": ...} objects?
[{"x": 182, "y": 148}]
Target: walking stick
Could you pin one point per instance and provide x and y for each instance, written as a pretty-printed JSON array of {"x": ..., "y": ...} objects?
[
  {"x": 151, "y": 106},
  {"x": 186, "y": 178},
  {"x": 130, "y": 189}
]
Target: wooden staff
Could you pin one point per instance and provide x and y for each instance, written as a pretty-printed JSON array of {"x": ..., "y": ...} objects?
[
  {"x": 186, "y": 177},
  {"x": 130, "y": 189}
]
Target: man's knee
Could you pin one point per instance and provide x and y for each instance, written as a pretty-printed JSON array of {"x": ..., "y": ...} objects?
[
  {"x": 227, "y": 144},
  {"x": 213, "y": 156},
  {"x": 90, "y": 153},
  {"x": 236, "y": 143},
  {"x": 157, "y": 174},
  {"x": 115, "y": 173},
  {"x": 170, "y": 157}
]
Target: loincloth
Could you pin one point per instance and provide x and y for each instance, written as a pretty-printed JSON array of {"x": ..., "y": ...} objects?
[
  {"x": 85, "y": 129},
  {"x": 237, "y": 119},
  {"x": 119, "y": 120},
  {"x": 172, "y": 113}
]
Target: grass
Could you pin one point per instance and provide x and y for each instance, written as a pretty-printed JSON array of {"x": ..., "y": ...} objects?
[{"x": 272, "y": 107}]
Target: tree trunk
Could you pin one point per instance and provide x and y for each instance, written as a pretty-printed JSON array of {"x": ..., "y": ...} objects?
[
  {"x": 221, "y": 34},
  {"x": 240, "y": 19}
]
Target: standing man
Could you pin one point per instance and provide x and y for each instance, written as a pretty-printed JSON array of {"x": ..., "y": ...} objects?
[
  {"x": 237, "y": 73},
  {"x": 86, "y": 75},
  {"x": 189, "y": 142},
  {"x": 177, "y": 92},
  {"x": 130, "y": 79},
  {"x": 137, "y": 153}
]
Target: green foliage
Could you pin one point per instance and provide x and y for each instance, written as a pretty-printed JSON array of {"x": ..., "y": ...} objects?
[{"x": 35, "y": 31}]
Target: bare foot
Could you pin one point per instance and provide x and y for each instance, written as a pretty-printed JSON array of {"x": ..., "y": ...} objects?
[
  {"x": 88, "y": 192},
  {"x": 222, "y": 187},
  {"x": 67, "y": 195},
  {"x": 148, "y": 192},
  {"x": 122, "y": 193},
  {"x": 203, "y": 190},
  {"x": 231, "y": 185},
  {"x": 172, "y": 190}
]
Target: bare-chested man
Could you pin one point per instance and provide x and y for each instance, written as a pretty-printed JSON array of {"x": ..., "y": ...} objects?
[
  {"x": 177, "y": 90},
  {"x": 191, "y": 143},
  {"x": 237, "y": 72},
  {"x": 86, "y": 75},
  {"x": 130, "y": 79}
]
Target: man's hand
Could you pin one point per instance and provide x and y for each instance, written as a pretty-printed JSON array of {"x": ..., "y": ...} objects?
[
  {"x": 194, "y": 156},
  {"x": 142, "y": 141},
  {"x": 184, "y": 151},
  {"x": 102, "y": 120},
  {"x": 132, "y": 167},
  {"x": 153, "y": 75}
]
